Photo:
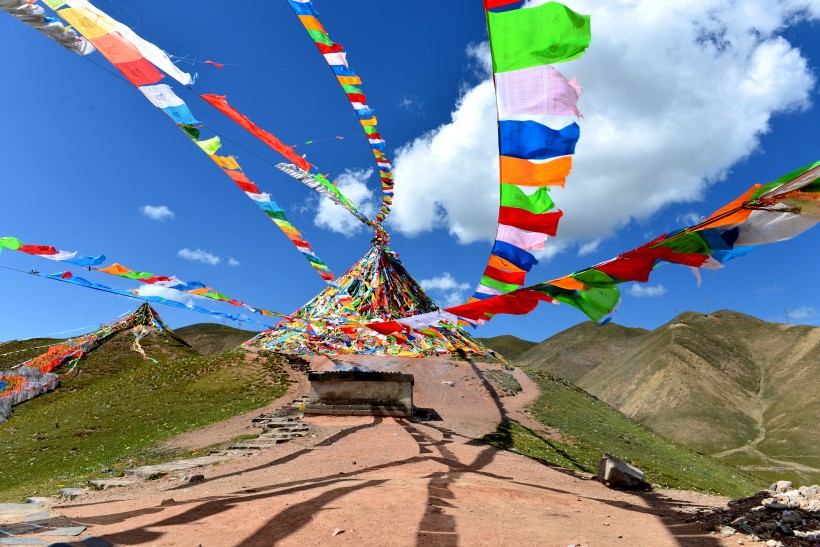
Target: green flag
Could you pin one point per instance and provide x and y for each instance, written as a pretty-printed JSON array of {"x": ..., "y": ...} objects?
[
  {"x": 542, "y": 35},
  {"x": 536, "y": 203},
  {"x": 10, "y": 243}
]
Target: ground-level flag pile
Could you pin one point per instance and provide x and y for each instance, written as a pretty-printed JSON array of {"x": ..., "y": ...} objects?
[
  {"x": 36, "y": 376},
  {"x": 378, "y": 309}
]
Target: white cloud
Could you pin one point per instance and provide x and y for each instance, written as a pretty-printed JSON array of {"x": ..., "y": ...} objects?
[
  {"x": 646, "y": 291},
  {"x": 670, "y": 106},
  {"x": 412, "y": 105},
  {"x": 157, "y": 212},
  {"x": 446, "y": 286},
  {"x": 233, "y": 262},
  {"x": 199, "y": 256},
  {"x": 589, "y": 248},
  {"x": 688, "y": 219},
  {"x": 804, "y": 312},
  {"x": 335, "y": 217}
]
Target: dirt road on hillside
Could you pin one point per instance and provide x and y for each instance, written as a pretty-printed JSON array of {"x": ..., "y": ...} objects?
[{"x": 379, "y": 481}]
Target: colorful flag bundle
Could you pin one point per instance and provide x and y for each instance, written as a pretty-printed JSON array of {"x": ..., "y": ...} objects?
[
  {"x": 767, "y": 213},
  {"x": 336, "y": 58},
  {"x": 35, "y": 17},
  {"x": 46, "y": 251},
  {"x": 139, "y": 61},
  {"x": 525, "y": 42},
  {"x": 172, "y": 282}
]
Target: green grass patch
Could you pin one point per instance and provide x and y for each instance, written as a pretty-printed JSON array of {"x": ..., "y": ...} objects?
[
  {"x": 117, "y": 408},
  {"x": 589, "y": 428}
]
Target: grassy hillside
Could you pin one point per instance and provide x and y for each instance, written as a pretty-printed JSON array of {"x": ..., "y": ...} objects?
[
  {"x": 588, "y": 427},
  {"x": 210, "y": 338},
  {"x": 17, "y": 351},
  {"x": 117, "y": 406},
  {"x": 725, "y": 384},
  {"x": 511, "y": 347}
]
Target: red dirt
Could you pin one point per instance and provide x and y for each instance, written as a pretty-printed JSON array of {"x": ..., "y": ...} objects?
[{"x": 380, "y": 481}]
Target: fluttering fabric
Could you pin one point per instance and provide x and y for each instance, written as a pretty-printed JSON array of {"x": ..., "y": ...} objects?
[
  {"x": 525, "y": 39},
  {"x": 94, "y": 24},
  {"x": 136, "y": 58},
  {"x": 68, "y": 277},
  {"x": 336, "y": 58},
  {"x": 764, "y": 214},
  {"x": 324, "y": 187},
  {"x": 220, "y": 102},
  {"x": 35, "y": 17},
  {"x": 49, "y": 252},
  {"x": 169, "y": 282}
]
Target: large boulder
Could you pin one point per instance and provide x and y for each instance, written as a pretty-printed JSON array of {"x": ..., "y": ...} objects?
[{"x": 616, "y": 473}]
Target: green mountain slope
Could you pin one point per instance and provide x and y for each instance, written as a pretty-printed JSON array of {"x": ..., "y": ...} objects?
[
  {"x": 725, "y": 384},
  {"x": 580, "y": 428},
  {"x": 511, "y": 347},
  {"x": 210, "y": 338},
  {"x": 114, "y": 409}
]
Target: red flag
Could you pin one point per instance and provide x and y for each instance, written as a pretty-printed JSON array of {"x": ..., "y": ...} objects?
[{"x": 220, "y": 103}]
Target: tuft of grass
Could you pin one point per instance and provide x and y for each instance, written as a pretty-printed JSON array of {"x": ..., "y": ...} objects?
[
  {"x": 113, "y": 411},
  {"x": 589, "y": 428}
]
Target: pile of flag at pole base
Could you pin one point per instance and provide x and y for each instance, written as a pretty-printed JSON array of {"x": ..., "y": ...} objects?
[
  {"x": 377, "y": 309},
  {"x": 36, "y": 375}
]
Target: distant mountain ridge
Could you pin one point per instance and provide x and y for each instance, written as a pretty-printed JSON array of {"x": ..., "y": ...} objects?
[{"x": 727, "y": 384}]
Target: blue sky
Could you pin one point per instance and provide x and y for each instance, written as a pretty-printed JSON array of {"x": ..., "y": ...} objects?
[{"x": 678, "y": 122}]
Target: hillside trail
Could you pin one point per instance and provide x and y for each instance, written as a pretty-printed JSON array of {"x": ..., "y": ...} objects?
[
  {"x": 381, "y": 481},
  {"x": 757, "y": 409}
]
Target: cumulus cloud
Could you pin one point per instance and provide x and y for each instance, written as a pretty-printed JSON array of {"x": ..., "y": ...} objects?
[
  {"x": 412, "y": 104},
  {"x": 157, "y": 212},
  {"x": 688, "y": 219},
  {"x": 445, "y": 286},
  {"x": 199, "y": 256},
  {"x": 670, "y": 105},
  {"x": 803, "y": 312},
  {"x": 233, "y": 262},
  {"x": 336, "y": 218},
  {"x": 646, "y": 291}
]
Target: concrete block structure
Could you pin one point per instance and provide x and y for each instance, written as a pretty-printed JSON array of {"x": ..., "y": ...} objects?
[{"x": 359, "y": 393}]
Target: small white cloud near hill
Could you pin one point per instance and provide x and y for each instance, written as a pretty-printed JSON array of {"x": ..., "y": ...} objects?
[
  {"x": 646, "y": 291},
  {"x": 452, "y": 292}
]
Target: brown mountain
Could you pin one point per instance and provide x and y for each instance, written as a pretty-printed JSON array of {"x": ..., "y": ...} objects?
[{"x": 727, "y": 384}]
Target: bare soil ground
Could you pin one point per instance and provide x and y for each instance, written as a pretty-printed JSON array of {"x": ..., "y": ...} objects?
[{"x": 380, "y": 481}]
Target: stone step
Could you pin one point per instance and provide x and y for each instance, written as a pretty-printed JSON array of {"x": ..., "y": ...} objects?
[
  {"x": 71, "y": 493},
  {"x": 159, "y": 470},
  {"x": 276, "y": 435},
  {"x": 285, "y": 429},
  {"x": 244, "y": 447},
  {"x": 105, "y": 484}
]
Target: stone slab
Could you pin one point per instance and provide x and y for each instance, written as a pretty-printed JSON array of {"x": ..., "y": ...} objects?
[
  {"x": 105, "y": 484},
  {"x": 42, "y": 515},
  {"x": 170, "y": 467},
  {"x": 18, "y": 529},
  {"x": 22, "y": 541},
  {"x": 19, "y": 508},
  {"x": 71, "y": 493},
  {"x": 65, "y": 531}
]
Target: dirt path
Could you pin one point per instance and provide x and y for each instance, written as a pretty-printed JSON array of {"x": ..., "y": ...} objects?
[{"x": 379, "y": 481}]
